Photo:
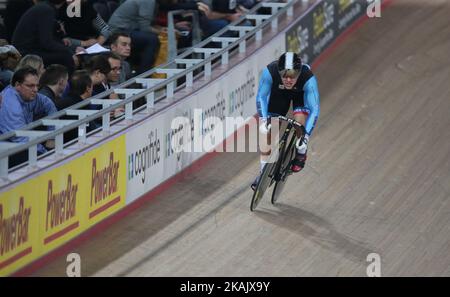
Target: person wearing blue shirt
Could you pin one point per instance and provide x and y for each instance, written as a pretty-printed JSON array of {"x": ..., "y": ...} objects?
[
  {"x": 21, "y": 104},
  {"x": 282, "y": 82}
]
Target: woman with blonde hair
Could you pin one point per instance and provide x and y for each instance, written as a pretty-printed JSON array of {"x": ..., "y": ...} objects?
[{"x": 33, "y": 61}]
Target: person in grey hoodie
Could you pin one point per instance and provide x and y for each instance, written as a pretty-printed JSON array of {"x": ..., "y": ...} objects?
[{"x": 135, "y": 17}]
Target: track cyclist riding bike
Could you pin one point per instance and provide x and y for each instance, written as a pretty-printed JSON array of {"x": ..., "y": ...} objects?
[{"x": 283, "y": 81}]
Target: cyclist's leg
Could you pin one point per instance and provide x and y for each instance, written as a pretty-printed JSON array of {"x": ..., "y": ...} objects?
[
  {"x": 275, "y": 108},
  {"x": 265, "y": 143},
  {"x": 300, "y": 115}
]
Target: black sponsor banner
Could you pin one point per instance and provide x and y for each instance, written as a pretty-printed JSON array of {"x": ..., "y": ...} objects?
[
  {"x": 299, "y": 38},
  {"x": 313, "y": 33}
]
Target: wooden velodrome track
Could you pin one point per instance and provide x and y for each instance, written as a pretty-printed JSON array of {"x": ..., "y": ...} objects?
[{"x": 377, "y": 181}]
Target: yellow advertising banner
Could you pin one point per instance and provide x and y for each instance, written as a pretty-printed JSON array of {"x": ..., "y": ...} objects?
[
  {"x": 19, "y": 224},
  {"x": 54, "y": 207},
  {"x": 107, "y": 183},
  {"x": 62, "y": 204}
]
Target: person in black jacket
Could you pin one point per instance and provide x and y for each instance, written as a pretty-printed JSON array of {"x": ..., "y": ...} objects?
[
  {"x": 36, "y": 34},
  {"x": 81, "y": 89},
  {"x": 53, "y": 82},
  {"x": 87, "y": 29}
]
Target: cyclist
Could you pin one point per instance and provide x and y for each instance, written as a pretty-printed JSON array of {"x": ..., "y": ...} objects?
[{"x": 283, "y": 81}]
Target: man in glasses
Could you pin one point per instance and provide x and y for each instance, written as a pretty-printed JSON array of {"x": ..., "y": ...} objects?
[
  {"x": 21, "y": 104},
  {"x": 282, "y": 82}
]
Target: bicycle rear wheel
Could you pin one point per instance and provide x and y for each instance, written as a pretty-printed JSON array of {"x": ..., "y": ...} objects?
[{"x": 263, "y": 184}]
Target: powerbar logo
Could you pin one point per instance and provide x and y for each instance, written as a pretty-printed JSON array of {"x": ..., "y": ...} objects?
[
  {"x": 104, "y": 181},
  {"x": 14, "y": 229},
  {"x": 61, "y": 206}
]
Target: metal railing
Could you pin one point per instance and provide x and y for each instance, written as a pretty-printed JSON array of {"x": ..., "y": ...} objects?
[{"x": 195, "y": 67}]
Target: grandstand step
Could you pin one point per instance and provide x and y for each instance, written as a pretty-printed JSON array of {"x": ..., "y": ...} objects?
[
  {"x": 241, "y": 28},
  {"x": 149, "y": 82},
  {"x": 4, "y": 145},
  {"x": 206, "y": 51},
  {"x": 225, "y": 40},
  {"x": 57, "y": 123},
  {"x": 80, "y": 113},
  {"x": 257, "y": 17},
  {"x": 274, "y": 5},
  {"x": 128, "y": 92},
  {"x": 31, "y": 133},
  {"x": 188, "y": 62},
  {"x": 107, "y": 102},
  {"x": 168, "y": 71}
]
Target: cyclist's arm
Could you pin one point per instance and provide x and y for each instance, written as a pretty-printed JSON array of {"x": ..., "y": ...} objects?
[
  {"x": 312, "y": 103},
  {"x": 262, "y": 98}
]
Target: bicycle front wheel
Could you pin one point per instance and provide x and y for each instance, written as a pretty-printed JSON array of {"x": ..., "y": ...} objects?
[
  {"x": 263, "y": 184},
  {"x": 284, "y": 171}
]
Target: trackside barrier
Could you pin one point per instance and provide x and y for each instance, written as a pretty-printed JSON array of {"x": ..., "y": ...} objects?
[
  {"x": 55, "y": 197},
  {"x": 165, "y": 88}
]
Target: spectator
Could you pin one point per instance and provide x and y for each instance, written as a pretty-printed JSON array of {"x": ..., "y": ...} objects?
[
  {"x": 87, "y": 29},
  {"x": 21, "y": 103},
  {"x": 219, "y": 14},
  {"x": 121, "y": 46},
  {"x": 35, "y": 34},
  {"x": 80, "y": 88},
  {"x": 135, "y": 17},
  {"x": 34, "y": 62},
  {"x": 53, "y": 83},
  {"x": 98, "y": 68},
  {"x": 9, "y": 58},
  {"x": 113, "y": 78},
  {"x": 115, "y": 62}
]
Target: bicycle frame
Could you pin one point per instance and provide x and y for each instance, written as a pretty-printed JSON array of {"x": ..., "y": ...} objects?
[
  {"x": 277, "y": 171},
  {"x": 284, "y": 148}
]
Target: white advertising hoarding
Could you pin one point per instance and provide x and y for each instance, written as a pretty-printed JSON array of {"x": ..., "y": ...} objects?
[{"x": 161, "y": 147}]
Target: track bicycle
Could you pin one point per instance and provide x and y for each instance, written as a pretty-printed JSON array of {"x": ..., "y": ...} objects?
[{"x": 277, "y": 171}]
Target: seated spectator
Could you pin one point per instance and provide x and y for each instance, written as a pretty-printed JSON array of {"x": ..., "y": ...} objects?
[
  {"x": 9, "y": 58},
  {"x": 182, "y": 23},
  {"x": 34, "y": 62},
  {"x": 98, "y": 68},
  {"x": 113, "y": 78},
  {"x": 87, "y": 29},
  {"x": 53, "y": 83},
  {"x": 80, "y": 88},
  {"x": 135, "y": 18},
  {"x": 220, "y": 13},
  {"x": 36, "y": 34},
  {"x": 121, "y": 46},
  {"x": 20, "y": 104},
  {"x": 115, "y": 62}
]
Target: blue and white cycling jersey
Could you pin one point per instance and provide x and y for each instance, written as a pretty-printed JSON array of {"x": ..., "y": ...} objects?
[{"x": 272, "y": 98}]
